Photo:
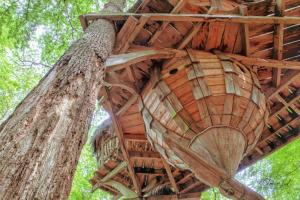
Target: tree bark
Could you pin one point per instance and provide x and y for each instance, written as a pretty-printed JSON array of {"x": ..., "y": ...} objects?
[{"x": 40, "y": 143}]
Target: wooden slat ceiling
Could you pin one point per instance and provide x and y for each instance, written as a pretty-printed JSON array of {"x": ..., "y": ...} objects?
[{"x": 260, "y": 29}]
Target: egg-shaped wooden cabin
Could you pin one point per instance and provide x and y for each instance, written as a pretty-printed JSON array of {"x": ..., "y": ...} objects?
[{"x": 207, "y": 105}]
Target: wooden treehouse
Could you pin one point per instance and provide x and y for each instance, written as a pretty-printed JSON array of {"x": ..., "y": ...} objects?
[{"x": 197, "y": 90}]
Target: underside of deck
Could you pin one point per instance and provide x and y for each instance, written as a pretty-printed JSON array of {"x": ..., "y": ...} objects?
[{"x": 263, "y": 35}]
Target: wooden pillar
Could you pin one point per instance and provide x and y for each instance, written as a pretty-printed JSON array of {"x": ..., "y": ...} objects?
[{"x": 278, "y": 41}]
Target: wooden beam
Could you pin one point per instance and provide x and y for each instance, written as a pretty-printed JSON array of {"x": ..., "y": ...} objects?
[
  {"x": 247, "y": 162},
  {"x": 121, "y": 61},
  {"x": 278, "y": 49},
  {"x": 106, "y": 188},
  {"x": 124, "y": 85},
  {"x": 270, "y": 63},
  {"x": 189, "y": 36},
  {"x": 135, "y": 137},
  {"x": 188, "y": 196},
  {"x": 114, "y": 172},
  {"x": 131, "y": 74},
  {"x": 184, "y": 179},
  {"x": 286, "y": 104},
  {"x": 148, "y": 170},
  {"x": 144, "y": 154},
  {"x": 119, "y": 133},
  {"x": 215, "y": 6},
  {"x": 142, "y": 21},
  {"x": 245, "y": 32},
  {"x": 210, "y": 174},
  {"x": 117, "y": 62},
  {"x": 197, "y": 18},
  {"x": 170, "y": 175},
  {"x": 125, "y": 191},
  {"x": 259, "y": 150},
  {"x": 127, "y": 105},
  {"x": 278, "y": 40},
  {"x": 190, "y": 187},
  {"x": 264, "y": 138},
  {"x": 164, "y": 25},
  {"x": 290, "y": 103},
  {"x": 83, "y": 22},
  {"x": 295, "y": 76},
  {"x": 142, "y": 5},
  {"x": 125, "y": 32}
]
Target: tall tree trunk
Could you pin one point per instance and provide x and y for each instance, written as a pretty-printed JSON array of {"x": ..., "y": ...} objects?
[{"x": 41, "y": 141}]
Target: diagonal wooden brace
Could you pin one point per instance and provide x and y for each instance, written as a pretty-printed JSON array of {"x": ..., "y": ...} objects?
[{"x": 211, "y": 175}]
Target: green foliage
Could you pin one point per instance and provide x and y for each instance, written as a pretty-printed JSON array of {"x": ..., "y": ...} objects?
[
  {"x": 81, "y": 188},
  {"x": 87, "y": 165},
  {"x": 15, "y": 83},
  {"x": 286, "y": 172},
  {"x": 33, "y": 35}
]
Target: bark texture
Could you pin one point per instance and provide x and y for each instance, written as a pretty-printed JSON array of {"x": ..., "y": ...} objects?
[{"x": 41, "y": 141}]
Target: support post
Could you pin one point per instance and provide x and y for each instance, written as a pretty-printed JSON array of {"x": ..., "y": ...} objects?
[{"x": 278, "y": 41}]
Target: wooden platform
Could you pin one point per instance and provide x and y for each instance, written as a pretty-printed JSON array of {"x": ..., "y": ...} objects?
[{"x": 262, "y": 35}]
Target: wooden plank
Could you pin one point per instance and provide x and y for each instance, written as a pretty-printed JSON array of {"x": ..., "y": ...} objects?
[
  {"x": 215, "y": 35},
  {"x": 290, "y": 103},
  {"x": 245, "y": 32},
  {"x": 119, "y": 133},
  {"x": 278, "y": 41},
  {"x": 190, "y": 187},
  {"x": 259, "y": 150},
  {"x": 83, "y": 22},
  {"x": 270, "y": 63},
  {"x": 284, "y": 85},
  {"x": 127, "y": 105},
  {"x": 144, "y": 154},
  {"x": 164, "y": 25},
  {"x": 121, "y": 61},
  {"x": 123, "y": 188},
  {"x": 187, "y": 196},
  {"x": 247, "y": 162},
  {"x": 135, "y": 137},
  {"x": 170, "y": 175},
  {"x": 142, "y": 5},
  {"x": 265, "y": 138},
  {"x": 125, "y": 85},
  {"x": 197, "y": 18},
  {"x": 189, "y": 36},
  {"x": 114, "y": 172},
  {"x": 142, "y": 21},
  {"x": 286, "y": 104},
  {"x": 125, "y": 33},
  {"x": 230, "y": 36},
  {"x": 184, "y": 179},
  {"x": 215, "y": 7}
]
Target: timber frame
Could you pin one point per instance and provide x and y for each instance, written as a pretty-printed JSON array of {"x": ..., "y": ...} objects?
[{"x": 262, "y": 35}]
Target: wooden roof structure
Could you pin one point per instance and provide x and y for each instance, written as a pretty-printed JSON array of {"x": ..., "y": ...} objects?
[{"x": 264, "y": 35}]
